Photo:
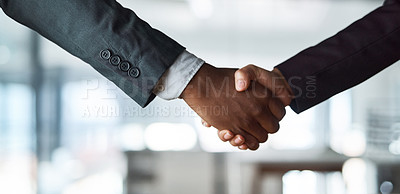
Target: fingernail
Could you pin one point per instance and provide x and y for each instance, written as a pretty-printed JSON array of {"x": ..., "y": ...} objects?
[
  {"x": 228, "y": 136},
  {"x": 238, "y": 140},
  {"x": 240, "y": 84}
]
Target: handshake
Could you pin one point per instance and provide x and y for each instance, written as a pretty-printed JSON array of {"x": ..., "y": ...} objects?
[{"x": 245, "y": 105}]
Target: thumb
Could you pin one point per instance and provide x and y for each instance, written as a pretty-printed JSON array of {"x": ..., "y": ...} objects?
[
  {"x": 244, "y": 76},
  {"x": 274, "y": 81}
]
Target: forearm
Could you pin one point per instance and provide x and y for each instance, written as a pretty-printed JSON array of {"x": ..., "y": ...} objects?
[
  {"x": 348, "y": 58},
  {"x": 85, "y": 28}
]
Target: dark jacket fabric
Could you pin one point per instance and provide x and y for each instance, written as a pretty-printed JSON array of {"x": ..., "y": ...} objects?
[
  {"x": 111, "y": 38},
  {"x": 346, "y": 59}
]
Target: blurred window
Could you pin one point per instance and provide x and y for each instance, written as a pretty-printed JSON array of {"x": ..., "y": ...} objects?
[
  {"x": 312, "y": 182},
  {"x": 16, "y": 117},
  {"x": 16, "y": 121}
]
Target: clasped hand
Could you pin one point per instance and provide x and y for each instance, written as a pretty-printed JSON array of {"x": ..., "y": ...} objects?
[{"x": 244, "y": 112}]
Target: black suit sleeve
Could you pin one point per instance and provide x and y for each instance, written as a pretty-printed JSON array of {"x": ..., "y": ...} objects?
[
  {"x": 111, "y": 38},
  {"x": 348, "y": 58}
]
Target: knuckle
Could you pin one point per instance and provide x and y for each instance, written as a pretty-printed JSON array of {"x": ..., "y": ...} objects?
[
  {"x": 264, "y": 137},
  {"x": 251, "y": 141},
  {"x": 283, "y": 113},
  {"x": 246, "y": 123},
  {"x": 250, "y": 66},
  {"x": 275, "y": 127},
  {"x": 254, "y": 146},
  {"x": 238, "y": 73},
  {"x": 257, "y": 110},
  {"x": 247, "y": 69},
  {"x": 242, "y": 74}
]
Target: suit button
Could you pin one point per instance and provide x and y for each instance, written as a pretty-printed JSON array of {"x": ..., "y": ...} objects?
[
  {"x": 124, "y": 66},
  {"x": 134, "y": 72},
  {"x": 115, "y": 60},
  {"x": 105, "y": 54}
]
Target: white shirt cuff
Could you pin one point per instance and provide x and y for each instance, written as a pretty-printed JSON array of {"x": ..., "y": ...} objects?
[{"x": 177, "y": 77}]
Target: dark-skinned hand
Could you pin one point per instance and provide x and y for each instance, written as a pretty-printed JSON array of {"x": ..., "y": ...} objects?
[{"x": 253, "y": 114}]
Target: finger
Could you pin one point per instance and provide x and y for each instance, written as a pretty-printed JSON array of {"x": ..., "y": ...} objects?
[
  {"x": 238, "y": 140},
  {"x": 277, "y": 108},
  {"x": 244, "y": 76},
  {"x": 258, "y": 131},
  {"x": 225, "y": 135},
  {"x": 253, "y": 147},
  {"x": 243, "y": 147},
  {"x": 259, "y": 126},
  {"x": 241, "y": 137},
  {"x": 251, "y": 142},
  {"x": 204, "y": 123},
  {"x": 274, "y": 81},
  {"x": 269, "y": 122}
]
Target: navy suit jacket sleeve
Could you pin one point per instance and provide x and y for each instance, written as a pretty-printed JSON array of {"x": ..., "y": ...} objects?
[
  {"x": 348, "y": 58},
  {"x": 111, "y": 38}
]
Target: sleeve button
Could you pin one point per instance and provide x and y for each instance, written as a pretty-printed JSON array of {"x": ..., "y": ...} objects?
[
  {"x": 124, "y": 66},
  {"x": 134, "y": 72},
  {"x": 105, "y": 54},
  {"x": 115, "y": 60}
]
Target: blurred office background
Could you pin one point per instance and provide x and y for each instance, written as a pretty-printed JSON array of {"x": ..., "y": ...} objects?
[{"x": 64, "y": 129}]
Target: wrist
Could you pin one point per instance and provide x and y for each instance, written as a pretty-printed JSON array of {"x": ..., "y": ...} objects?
[
  {"x": 287, "y": 98},
  {"x": 193, "y": 89}
]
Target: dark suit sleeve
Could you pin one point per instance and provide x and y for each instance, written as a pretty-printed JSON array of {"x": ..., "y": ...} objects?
[
  {"x": 348, "y": 58},
  {"x": 103, "y": 34}
]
